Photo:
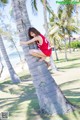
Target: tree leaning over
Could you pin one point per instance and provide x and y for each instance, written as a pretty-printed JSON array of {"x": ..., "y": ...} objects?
[
  {"x": 13, "y": 75},
  {"x": 51, "y": 99}
]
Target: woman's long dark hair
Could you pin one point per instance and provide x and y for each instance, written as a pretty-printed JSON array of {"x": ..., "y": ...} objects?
[{"x": 34, "y": 30}]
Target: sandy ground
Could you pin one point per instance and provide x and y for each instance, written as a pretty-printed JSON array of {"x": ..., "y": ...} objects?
[
  {"x": 18, "y": 69},
  {"x": 69, "y": 75}
]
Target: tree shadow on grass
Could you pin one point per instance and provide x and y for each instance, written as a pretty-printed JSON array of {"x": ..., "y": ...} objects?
[
  {"x": 69, "y": 83},
  {"x": 34, "y": 114},
  {"x": 26, "y": 78},
  {"x": 27, "y": 93},
  {"x": 64, "y": 60},
  {"x": 76, "y": 65},
  {"x": 72, "y": 93}
]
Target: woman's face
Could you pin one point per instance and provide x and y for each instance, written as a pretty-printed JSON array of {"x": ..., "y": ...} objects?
[{"x": 32, "y": 34}]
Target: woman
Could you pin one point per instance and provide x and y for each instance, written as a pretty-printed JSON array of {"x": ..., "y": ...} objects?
[{"x": 44, "y": 49}]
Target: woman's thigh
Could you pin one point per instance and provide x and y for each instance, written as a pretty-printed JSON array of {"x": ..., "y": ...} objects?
[{"x": 37, "y": 52}]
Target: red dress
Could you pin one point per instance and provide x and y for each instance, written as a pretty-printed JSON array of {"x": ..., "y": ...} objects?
[{"x": 45, "y": 47}]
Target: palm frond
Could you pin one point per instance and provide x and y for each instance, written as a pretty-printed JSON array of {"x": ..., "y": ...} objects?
[
  {"x": 34, "y": 6},
  {"x": 49, "y": 8},
  {"x": 4, "y": 1}
]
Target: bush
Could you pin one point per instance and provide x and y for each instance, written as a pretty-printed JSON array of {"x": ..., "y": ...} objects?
[{"x": 75, "y": 44}]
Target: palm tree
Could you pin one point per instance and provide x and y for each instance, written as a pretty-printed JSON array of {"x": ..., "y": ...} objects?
[
  {"x": 1, "y": 66},
  {"x": 10, "y": 37},
  {"x": 14, "y": 77},
  {"x": 45, "y": 17},
  {"x": 55, "y": 41},
  {"x": 56, "y": 33},
  {"x": 53, "y": 66},
  {"x": 62, "y": 26},
  {"x": 70, "y": 8},
  {"x": 46, "y": 88}
]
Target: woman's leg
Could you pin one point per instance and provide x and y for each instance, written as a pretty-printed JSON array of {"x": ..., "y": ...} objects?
[{"x": 37, "y": 53}]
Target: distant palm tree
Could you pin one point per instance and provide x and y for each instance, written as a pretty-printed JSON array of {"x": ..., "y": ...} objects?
[
  {"x": 46, "y": 88},
  {"x": 1, "y": 66},
  {"x": 14, "y": 76},
  {"x": 53, "y": 66},
  {"x": 61, "y": 26},
  {"x": 9, "y": 37},
  {"x": 70, "y": 8}
]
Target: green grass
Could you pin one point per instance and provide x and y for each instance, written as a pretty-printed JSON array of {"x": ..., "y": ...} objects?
[
  {"x": 26, "y": 107},
  {"x": 21, "y": 100}
]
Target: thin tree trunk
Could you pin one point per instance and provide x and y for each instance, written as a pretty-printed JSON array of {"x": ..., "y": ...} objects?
[
  {"x": 1, "y": 66},
  {"x": 45, "y": 18},
  {"x": 51, "y": 99},
  {"x": 55, "y": 50},
  {"x": 77, "y": 14},
  {"x": 16, "y": 49},
  {"x": 69, "y": 44},
  {"x": 65, "y": 50},
  {"x": 12, "y": 40},
  {"x": 53, "y": 66},
  {"x": 14, "y": 77}
]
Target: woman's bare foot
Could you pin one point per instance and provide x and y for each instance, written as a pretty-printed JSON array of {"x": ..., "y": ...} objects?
[{"x": 48, "y": 64}]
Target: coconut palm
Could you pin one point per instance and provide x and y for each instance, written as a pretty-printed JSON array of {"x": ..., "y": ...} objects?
[
  {"x": 62, "y": 26},
  {"x": 10, "y": 38},
  {"x": 70, "y": 8},
  {"x": 56, "y": 33},
  {"x": 13, "y": 75},
  {"x": 46, "y": 88},
  {"x": 1, "y": 66}
]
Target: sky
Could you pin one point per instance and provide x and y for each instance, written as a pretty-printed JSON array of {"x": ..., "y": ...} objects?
[{"x": 36, "y": 20}]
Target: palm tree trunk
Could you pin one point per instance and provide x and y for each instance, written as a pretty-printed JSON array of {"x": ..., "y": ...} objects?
[
  {"x": 13, "y": 75},
  {"x": 69, "y": 44},
  {"x": 53, "y": 66},
  {"x": 45, "y": 18},
  {"x": 65, "y": 50},
  {"x": 51, "y": 100},
  {"x": 1, "y": 66},
  {"x": 55, "y": 50}
]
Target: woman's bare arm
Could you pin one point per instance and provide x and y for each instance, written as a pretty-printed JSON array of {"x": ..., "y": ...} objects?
[{"x": 38, "y": 38}]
